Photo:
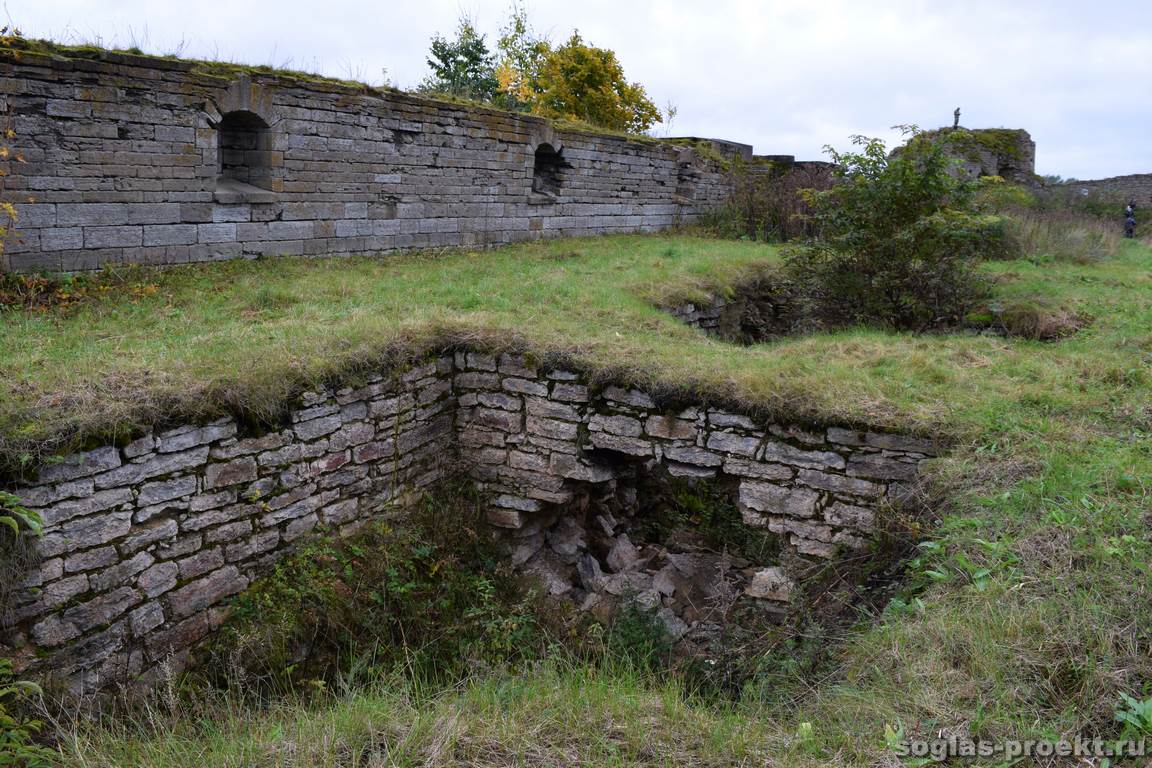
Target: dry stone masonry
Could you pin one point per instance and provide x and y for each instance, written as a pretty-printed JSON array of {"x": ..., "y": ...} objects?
[
  {"x": 1136, "y": 188},
  {"x": 145, "y": 542},
  {"x": 132, "y": 159}
]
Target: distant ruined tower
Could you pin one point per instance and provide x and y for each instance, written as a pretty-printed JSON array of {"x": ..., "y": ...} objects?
[{"x": 1006, "y": 152}]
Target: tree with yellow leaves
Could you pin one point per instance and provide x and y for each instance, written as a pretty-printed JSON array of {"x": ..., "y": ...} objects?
[
  {"x": 588, "y": 83},
  {"x": 522, "y": 55},
  {"x": 574, "y": 80}
]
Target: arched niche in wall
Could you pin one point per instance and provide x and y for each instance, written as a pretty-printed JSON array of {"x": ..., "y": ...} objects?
[
  {"x": 548, "y": 167},
  {"x": 247, "y": 159},
  {"x": 244, "y": 149}
]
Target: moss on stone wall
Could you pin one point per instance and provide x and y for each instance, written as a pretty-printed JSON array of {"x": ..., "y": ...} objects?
[
  {"x": 1005, "y": 143},
  {"x": 14, "y": 48}
]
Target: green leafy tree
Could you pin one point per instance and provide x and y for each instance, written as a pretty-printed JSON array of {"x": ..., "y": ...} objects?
[
  {"x": 588, "y": 83},
  {"x": 522, "y": 55},
  {"x": 462, "y": 66},
  {"x": 899, "y": 241}
]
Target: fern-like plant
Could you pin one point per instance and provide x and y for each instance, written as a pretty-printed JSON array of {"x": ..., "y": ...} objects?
[{"x": 18, "y": 527}]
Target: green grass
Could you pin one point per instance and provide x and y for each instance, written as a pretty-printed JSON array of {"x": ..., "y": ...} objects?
[
  {"x": 245, "y": 336},
  {"x": 557, "y": 715},
  {"x": 1027, "y": 614}
]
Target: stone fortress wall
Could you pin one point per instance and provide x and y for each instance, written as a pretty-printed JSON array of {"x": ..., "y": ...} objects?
[
  {"x": 1135, "y": 187},
  {"x": 144, "y": 542},
  {"x": 132, "y": 159}
]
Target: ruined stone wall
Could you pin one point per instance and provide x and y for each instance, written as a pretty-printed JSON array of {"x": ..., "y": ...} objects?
[
  {"x": 145, "y": 542},
  {"x": 139, "y": 160},
  {"x": 1135, "y": 187}
]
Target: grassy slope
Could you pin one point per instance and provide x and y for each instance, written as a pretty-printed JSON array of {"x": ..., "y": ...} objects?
[
  {"x": 1038, "y": 609},
  {"x": 246, "y": 335}
]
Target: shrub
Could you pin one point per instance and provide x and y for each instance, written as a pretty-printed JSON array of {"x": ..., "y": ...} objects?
[
  {"x": 638, "y": 637},
  {"x": 17, "y": 730},
  {"x": 434, "y": 595},
  {"x": 766, "y": 204},
  {"x": 899, "y": 241}
]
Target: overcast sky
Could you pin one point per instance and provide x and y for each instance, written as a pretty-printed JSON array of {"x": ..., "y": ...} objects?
[{"x": 786, "y": 76}]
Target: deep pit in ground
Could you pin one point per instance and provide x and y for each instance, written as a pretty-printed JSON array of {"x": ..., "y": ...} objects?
[
  {"x": 766, "y": 309},
  {"x": 684, "y": 559},
  {"x": 610, "y": 496}
]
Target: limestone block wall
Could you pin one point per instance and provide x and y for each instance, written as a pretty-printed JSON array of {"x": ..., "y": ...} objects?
[
  {"x": 144, "y": 543},
  {"x": 534, "y": 441},
  {"x": 131, "y": 159},
  {"x": 1135, "y": 187}
]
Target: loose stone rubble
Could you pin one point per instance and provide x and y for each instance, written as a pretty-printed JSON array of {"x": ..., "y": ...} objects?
[{"x": 145, "y": 542}]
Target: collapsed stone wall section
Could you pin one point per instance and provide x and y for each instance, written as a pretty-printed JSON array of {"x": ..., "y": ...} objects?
[
  {"x": 533, "y": 439},
  {"x": 145, "y": 542}
]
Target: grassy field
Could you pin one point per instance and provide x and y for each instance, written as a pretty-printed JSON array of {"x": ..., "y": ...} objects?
[{"x": 1027, "y": 614}]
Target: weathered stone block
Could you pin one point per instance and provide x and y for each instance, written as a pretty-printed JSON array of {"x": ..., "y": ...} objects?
[
  {"x": 152, "y": 466},
  {"x": 158, "y": 579},
  {"x": 97, "y": 502},
  {"x": 687, "y": 454},
  {"x": 840, "y": 484},
  {"x": 121, "y": 573},
  {"x": 569, "y": 393},
  {"x": 234, "y": 472},
  {"x": 143, "y": 536},
  {"x": 670, "y": 428},
  {"x": 317, "y": 428},
  {"x": 772, "y": 499},
  {"x": 198, "y": 595},
  {"x": 633, "y": 397},
  {"x": 770, "y": 584},
  {"x": 787, "y": 454},
  {"x": 738, "y": 445},
  {"x": 880, "y": 468},
  {"x": 859, "y": 519},
  {"x": 625, "y": 426},
  {"x": 629, "y": 445},
  {"x": 551, "y": 428},
  {"x": 200, "y": 563},
  {"x": 185, "y": 438},
  {"x": 154, "y": 493},
  {"x": 80, "y": 465}
]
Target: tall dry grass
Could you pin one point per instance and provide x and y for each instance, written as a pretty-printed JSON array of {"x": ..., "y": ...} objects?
[{"x": 1064, "y": 236}]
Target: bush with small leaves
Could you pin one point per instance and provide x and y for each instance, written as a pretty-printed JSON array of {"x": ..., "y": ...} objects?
[
  {"x": 899, "y": 239},
  {"x": 18, "y": 730}
]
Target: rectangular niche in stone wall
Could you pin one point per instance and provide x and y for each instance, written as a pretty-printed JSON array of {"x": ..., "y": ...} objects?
[{"x": 245, "y": 159}]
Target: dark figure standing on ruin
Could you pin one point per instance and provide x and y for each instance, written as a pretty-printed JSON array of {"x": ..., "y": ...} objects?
[
  {"x": 956, "y": 118},
  {"x": 1130, "y": 220}
]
